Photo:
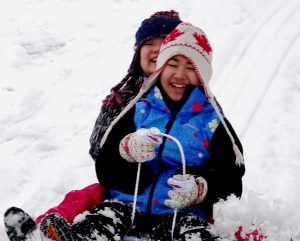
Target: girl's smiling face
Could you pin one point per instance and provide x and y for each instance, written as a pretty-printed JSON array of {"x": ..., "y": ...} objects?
[
  {"x": 176, "y": 75},
  {"x": 148, "y": 54}
]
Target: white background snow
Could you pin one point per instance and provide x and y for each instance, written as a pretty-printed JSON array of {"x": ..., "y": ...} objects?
[{"x": 59, "y": 58}]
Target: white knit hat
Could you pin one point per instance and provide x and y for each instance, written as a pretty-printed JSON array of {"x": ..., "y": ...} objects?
[{"x": 192, "y": 43}]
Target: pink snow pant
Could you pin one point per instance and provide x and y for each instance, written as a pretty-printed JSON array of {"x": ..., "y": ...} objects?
[{"x": 78, "y": 201}]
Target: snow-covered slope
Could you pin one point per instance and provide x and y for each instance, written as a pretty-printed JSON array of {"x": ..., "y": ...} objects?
[{"x": 58, "y": 59}]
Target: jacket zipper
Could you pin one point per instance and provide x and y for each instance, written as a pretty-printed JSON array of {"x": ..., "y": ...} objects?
[{"x": 159, "y": 154}]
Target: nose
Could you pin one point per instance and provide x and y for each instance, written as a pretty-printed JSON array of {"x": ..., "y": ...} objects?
[
  {"x": 180, "y": 73},
  {"x": 156, "y": 48}
]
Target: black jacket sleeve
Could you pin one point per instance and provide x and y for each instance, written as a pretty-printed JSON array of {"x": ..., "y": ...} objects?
[
  {"x": 112, "y": 170},
  {"x": 223, "y": 176},
  {"x": 105, "y": 117}
]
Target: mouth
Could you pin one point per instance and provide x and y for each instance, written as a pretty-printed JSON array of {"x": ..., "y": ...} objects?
[
  {"x": 176, "y": 85},
  {"x": 153, "y": 60}
]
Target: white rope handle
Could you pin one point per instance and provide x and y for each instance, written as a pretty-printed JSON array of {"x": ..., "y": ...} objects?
[
  {"x": 183, "y": 172},
  {"x": 156, "y": 132},
  {"x": 180, "y": 149},
  {"x": 138, "y": 174}
]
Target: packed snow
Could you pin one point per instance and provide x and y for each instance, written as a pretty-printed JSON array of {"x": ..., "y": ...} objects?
[{"x": 59, "y": 58}]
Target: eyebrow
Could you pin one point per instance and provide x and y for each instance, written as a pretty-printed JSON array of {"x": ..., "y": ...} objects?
[{"x": 176, "y": 60}]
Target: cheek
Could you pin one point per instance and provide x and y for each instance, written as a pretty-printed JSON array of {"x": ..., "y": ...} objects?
[
  {"x": 143, "y": 60},
  {"x": 166, "y": 72},
  {"x": 164, "y": 77},
  {"x": 144, "y": 52},
  {"x": 194, "y": 80}
]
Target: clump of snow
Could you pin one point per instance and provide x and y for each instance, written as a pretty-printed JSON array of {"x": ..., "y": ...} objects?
[{"x": 256, "y": 212}]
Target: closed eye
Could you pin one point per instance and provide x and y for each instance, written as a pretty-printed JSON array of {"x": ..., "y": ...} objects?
[
  {"x": 190, "y": 66},
  {"x": 172, "y": 65}
]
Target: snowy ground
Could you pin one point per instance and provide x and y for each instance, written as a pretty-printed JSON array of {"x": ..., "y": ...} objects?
[{"x": 58, "y": 58}]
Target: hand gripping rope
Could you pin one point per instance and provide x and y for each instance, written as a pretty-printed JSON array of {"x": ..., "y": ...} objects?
[{"x": 148, "y": 136}]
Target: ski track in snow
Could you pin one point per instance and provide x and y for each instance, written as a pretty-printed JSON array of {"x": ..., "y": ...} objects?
[
  {"x": 48, "y": 51},
  {"x": 240, "y": 52},
  {"x": 259, "y": 42},
  {"x": 292, "y": 19}
]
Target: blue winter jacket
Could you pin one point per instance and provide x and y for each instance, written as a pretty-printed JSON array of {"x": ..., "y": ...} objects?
[{"x": 193, "y": 126}]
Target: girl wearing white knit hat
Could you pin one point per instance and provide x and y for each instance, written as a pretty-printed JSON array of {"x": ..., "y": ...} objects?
[{"x": 150, "y": 176}]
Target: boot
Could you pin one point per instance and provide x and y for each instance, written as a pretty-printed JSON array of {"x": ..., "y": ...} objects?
[
  {"x": 56, "y": 228},
  {"x": 18, "y": 224}
]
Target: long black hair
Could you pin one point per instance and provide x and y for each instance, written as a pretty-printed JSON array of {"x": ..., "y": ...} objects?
[{"x": 130, "y": 84}]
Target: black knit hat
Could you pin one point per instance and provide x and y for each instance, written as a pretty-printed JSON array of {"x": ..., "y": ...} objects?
[{"x": 160, "y": 24}]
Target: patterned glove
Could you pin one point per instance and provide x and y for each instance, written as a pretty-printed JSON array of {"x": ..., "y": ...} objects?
[
  {"x": 140, "y": 145},
  {"x": 187, "y": 190}
]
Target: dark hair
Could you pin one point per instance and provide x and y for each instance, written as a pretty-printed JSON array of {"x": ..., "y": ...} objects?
[
  {"x": 160, "y": 24},
  {"x": 129, "y": 84}
]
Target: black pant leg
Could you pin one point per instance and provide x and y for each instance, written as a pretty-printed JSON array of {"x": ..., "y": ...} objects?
[
  {"x": 191, "y": 227},
  {"x": 188, "y": 227},
  {"x": 110, "y": 220}
]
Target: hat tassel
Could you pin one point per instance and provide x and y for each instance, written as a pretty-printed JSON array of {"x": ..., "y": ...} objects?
[{"x": 239, "y": 159}]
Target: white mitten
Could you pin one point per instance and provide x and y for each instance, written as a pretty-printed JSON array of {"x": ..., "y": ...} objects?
[
  {"x": 140, "y": 145},
  {"x": 187, "y": 190}
]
